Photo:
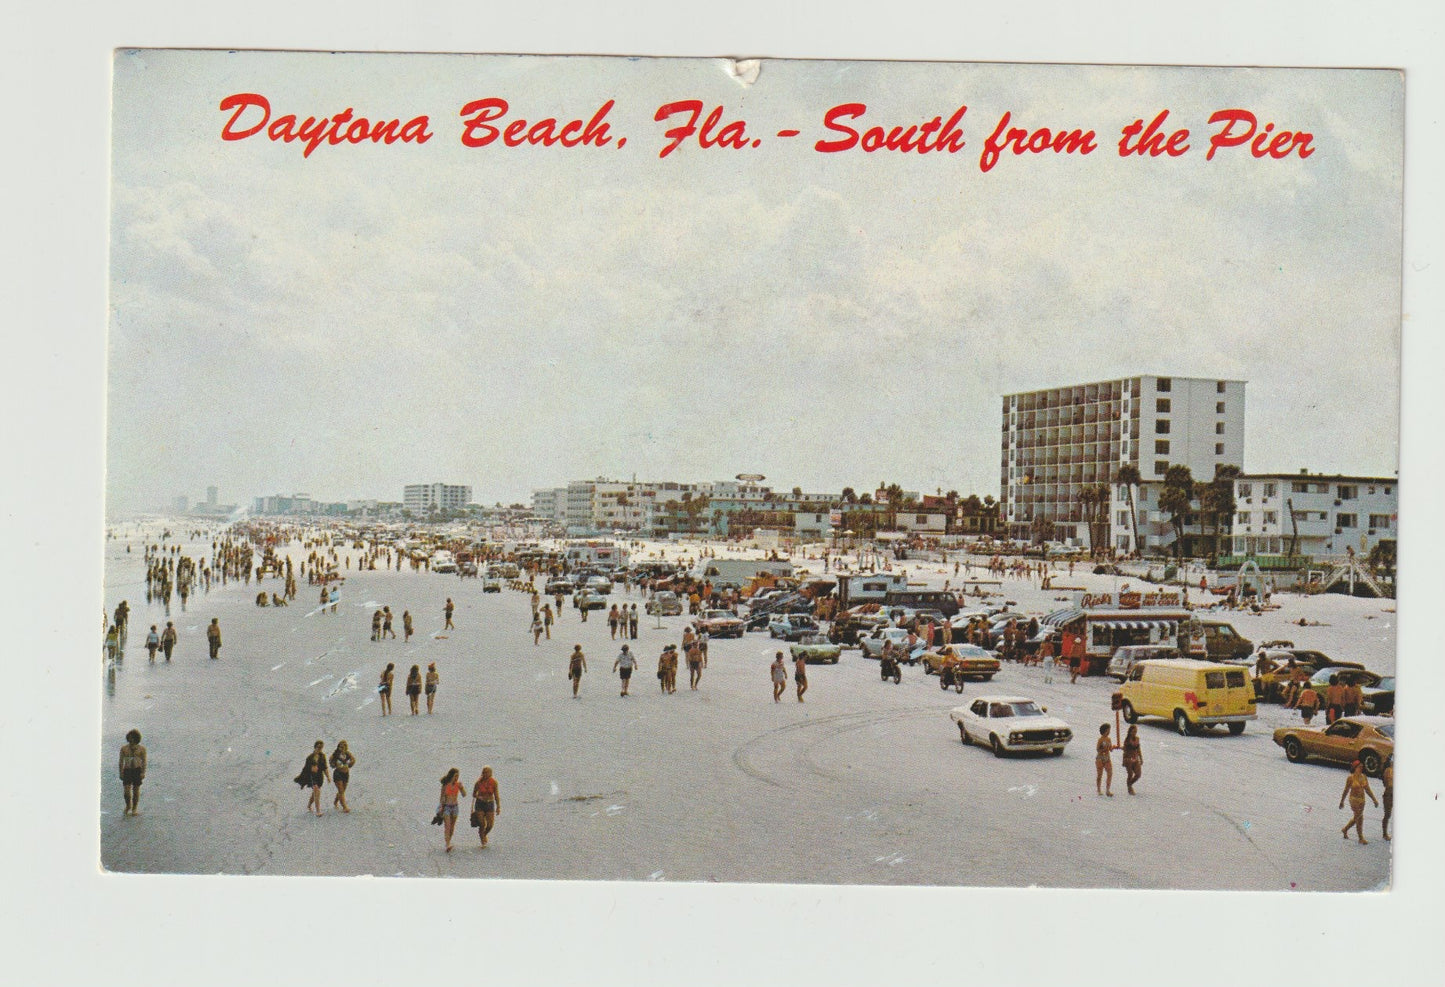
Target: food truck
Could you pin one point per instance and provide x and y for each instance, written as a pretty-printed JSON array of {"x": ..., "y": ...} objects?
[{"x": 1099, "y": 623}]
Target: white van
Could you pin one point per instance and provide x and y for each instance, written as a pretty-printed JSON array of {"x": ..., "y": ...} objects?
[{"x": 1192, "y": 693}]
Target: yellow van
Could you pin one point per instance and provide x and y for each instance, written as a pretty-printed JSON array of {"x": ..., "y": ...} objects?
[{"x": 1192, "y": 693}]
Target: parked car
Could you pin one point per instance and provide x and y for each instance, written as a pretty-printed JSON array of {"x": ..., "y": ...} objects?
[
  {"x": 1367, "y": 739},
  {"x": 559, "y": 585},
  {"x": 1273, "y": 681},
  {"x": 665, "y": 603},
  {"x": 1191, "y": 693},
  {"x": 599, "y": 584},
  {"x": 491, "y": 584},
  {"x": 1010, "y": 723},
  {"x": 815, "y": 649},
  {"x": 849, "y": 627},
  {"x": 1223, "y": 643},
  {"x": 588, "y": 600},
  {"x": 1380, "y": 698},
  {"x": 1348, "y": 675},
  {"x": 1130, "y": 655},
  {"x": 443, "y": 563},
  {"x": 976, "y": 663},
  {"x": 792, "y": 626},
  {"x": 720, "y": 623},
  {"x": 872, "y": 643}
]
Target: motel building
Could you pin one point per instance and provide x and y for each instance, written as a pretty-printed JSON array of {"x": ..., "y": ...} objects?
[{"x": 1281, "y": 518}]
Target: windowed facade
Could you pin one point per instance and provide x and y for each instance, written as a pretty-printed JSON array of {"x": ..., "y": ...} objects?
[{"x": 1055, "y": 442}]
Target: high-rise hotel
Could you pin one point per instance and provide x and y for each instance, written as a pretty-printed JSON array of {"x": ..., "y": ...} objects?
[{"x": 1057, "y": 441}]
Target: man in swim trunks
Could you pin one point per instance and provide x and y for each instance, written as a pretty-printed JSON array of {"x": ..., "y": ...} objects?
[
  {"x": 623, "y": 666},
  {"x": 132, "y": 770}
]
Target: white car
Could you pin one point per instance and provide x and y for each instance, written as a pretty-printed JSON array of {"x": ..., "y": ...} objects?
[{"x": 1010, "y": 723}]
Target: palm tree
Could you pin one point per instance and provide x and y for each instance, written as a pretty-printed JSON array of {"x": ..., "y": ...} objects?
[
  {"x": 1221, "y": 497},
  {"x": 1176, "y": 500},
  {"x": 849, "y": 496},
  {"x": 1089, "y": 502},
  {"x": 1041, "y": 528},
  {"x": 1128, "y": 476}
]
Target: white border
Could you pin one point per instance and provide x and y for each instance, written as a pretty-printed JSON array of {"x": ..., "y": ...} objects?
[{"x": 63, "y": 922}]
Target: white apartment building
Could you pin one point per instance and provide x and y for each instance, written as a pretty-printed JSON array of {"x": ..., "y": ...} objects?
[
  {"x": 617, "y": 505},
  {"x": 1057, "y": 441},
  {"x": 1331, "y": 514},
  {"x": 423, "y": 498},
  {"x": 550, "y": 503}
]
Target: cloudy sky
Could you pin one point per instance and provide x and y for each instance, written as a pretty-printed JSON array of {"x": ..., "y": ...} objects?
[{"x": 366, "y": 317}]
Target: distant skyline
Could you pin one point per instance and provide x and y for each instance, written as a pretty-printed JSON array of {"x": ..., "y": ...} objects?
[{"x": 349, "y": 322}]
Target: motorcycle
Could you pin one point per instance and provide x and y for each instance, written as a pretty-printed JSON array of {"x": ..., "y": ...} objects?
[
  {"x": 888, "y": 668},
  {"x": 950, "y": 677}
]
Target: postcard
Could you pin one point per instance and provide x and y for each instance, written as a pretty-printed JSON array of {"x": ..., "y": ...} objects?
[{"x": 751, "y": 471}]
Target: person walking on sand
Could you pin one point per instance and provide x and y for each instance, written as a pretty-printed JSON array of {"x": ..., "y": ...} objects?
[
  {"x": 487, "y": 802},
  {"x": 448, "y": 610},
  {"x": 342, "y": 761},
  {"x": 623, "y": 667},
  {"x": 406, "y": 628},
  {"x": 433, "y": 678},
  {"x": 612, "y": 618},
  {"x": 1133, "y": 758},
  {"x": 386, "y": 630},
  {"x": 313, "y": 775},
  {"x": 1357, "y": 786},
  {"x": 1387, "y": 796},
  {"x": 547, "y": 619},
  {"x": 413, "y": 688},
  {"x": 168, "y": 640},
  {"x": 696, "y": 660},
  {"x": 153, "y": 642},
  {"x": 213, "y": 637},
  {"x": 800, "y": 675},
  {"x": 452, "y": 791},
  {"x": 1104, "y": 762},
  {"x": 376, "y": 625},
  {"x": 133, "y": 771},
  {"x": 537, "y": 628},
  {"x": 335, "y": 597},
  {"x": 662, "y": 665},
  {"x": 388, "y": 675},
  {"x": 780, "y": 677},
  {"x": 632, "y": 622},
  {"x": 576, "y": 665}
]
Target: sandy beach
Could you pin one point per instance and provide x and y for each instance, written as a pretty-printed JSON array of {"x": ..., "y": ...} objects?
[{"x": 865, "y": 783}]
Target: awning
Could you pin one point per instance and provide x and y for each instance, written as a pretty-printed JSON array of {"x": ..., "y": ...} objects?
[
  {"x": 1061, "y": 617},
  {"x": 1134, "y": 625}
]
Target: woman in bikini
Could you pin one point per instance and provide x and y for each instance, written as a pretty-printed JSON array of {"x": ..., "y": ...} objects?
[
  {"x": 1104, "y": 762},
  {"x": 413, "y": 688},
  {"x": 487, "y": 802},
  {"x": 388, "y": 674},
  {"x": 452, "y": 790},
  {"x": 342, "y": 761},
  {"x": 313, "y": 775},
  {"x": 1357, "y": 786},
  {"x": 1133, "y": 758}
]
